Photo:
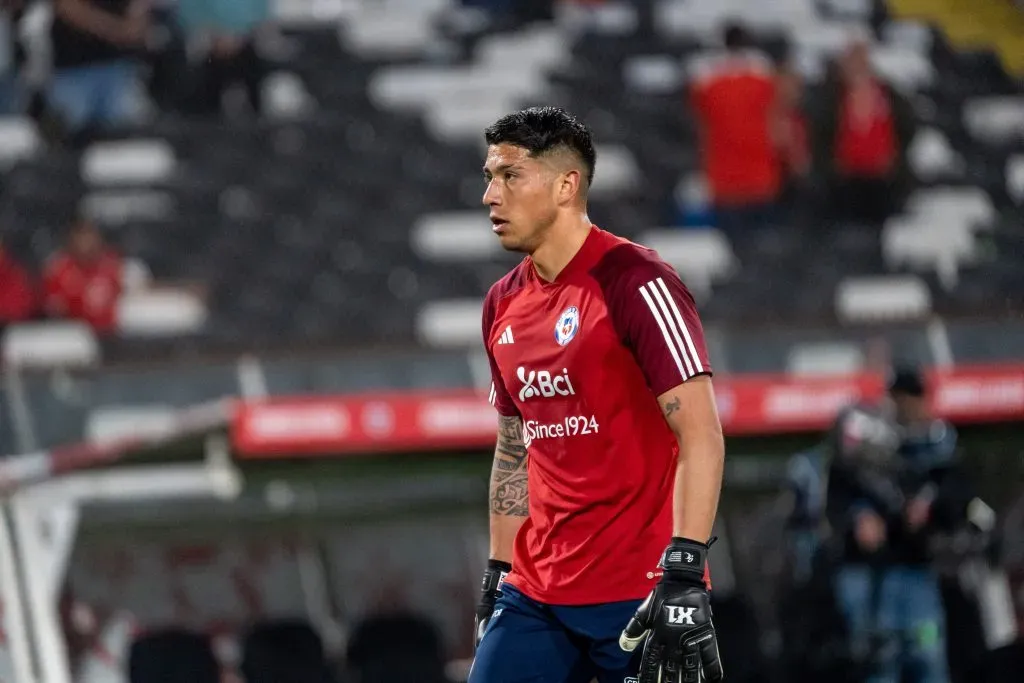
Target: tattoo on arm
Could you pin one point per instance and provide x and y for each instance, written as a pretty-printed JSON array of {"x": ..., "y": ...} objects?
[
  {"x": 672, "y": 406},
  {"x": 509, "y": 496}
]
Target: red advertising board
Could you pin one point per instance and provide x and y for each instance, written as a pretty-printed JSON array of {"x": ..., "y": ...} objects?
[{"x": 748, "y": 405}]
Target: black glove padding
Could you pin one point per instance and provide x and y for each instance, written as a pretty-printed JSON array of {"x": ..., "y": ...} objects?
[
  {"x": 489, "y": 594},
  {"x": 674, "y": 622}
]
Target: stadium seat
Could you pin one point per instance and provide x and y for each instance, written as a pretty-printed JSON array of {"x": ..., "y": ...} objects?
[
  {"x": 19, "y": 140},
  {"x": 882, "y": 298},
  {"x": 836, "y": 358},
  {"x": 50, "y": 344},
  {"x": 995, "y": 120},
  {"x": 903, "y": 67},
  {"x": 454, "y": 236},
  {"x": 616, "y": 173},
  {"x": 450, "y": 323},
  {"x": 398, "y": 30},
  {"x": 907, "y": 34},
  {"x": 703, "y": 257},
  {"x": 610, "y": 18},
  {"x": 130, "y": 162},
  {"x": 931, "y": 157},
  {"x": 284, "y": 651},
  {"x": 173, "y": 656},
  {"x": 652, "y": 74},
  {"x": 158, "y": 313},
  {"x": 971, "y": 205},
  {"x": 1015, "y": 178},
  {"x": 935, "y": 242},
  {"x": 117, "y": 207}
]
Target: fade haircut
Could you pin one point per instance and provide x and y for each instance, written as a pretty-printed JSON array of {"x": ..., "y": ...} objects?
[{"x": 545, "y": 130}]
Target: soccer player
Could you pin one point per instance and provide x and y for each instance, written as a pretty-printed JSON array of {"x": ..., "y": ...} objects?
[{"x": 609, "y": 458}]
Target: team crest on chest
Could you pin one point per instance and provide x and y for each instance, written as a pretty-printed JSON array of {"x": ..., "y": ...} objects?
[{"x": 567, "y": 326}]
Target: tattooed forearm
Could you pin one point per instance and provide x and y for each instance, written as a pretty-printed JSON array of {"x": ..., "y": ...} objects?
[
  {"x": 508, "y": 475},
  {"x": 672, "y": 406}
]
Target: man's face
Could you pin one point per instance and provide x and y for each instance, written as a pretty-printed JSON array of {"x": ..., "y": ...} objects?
[
  {"x": 85, "y": 242},
  {"x": 857, "y": 62},
  {"x": 521, "y": 196}
]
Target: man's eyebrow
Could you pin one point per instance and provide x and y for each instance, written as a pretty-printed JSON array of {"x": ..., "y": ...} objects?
[{"x": 500, "y": 168}]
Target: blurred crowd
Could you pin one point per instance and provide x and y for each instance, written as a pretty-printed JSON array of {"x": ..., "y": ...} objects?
[
  {"x": 83, "y": 67},
  {"x": 101, "y": 63},
  {"x": 770, "y": 150},
  {"x": 82, "y": 282},
  {"x": 895, "y": 559}
]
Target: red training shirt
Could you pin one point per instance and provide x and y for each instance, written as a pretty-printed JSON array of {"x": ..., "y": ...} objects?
[
  {"x": 733, "y": 95},
  {"x": 866, "y": 135},
  {"x": 581, "y": 361},
  {"x": 85, "y": 291},
  {"x": 17, "y": 300}
]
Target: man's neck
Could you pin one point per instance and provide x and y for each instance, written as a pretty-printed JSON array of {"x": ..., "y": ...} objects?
[{"x": 561, "y": 244}]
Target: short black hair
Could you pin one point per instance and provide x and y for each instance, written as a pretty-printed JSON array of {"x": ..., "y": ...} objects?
[
  {"x": 736, "y": 36},
  {"x": 540, "y": 130}
]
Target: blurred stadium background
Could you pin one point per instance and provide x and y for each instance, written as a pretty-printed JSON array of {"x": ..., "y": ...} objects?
[{"x": 282, "y": 430}]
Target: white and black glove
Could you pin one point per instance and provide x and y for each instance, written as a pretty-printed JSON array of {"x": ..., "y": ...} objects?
[
  {"x": 489, "y": 594},
  {"x": 674, "y": 622}
]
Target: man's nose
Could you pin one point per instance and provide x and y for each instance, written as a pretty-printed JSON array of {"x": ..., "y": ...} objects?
[{"x": 491, "y": 195}]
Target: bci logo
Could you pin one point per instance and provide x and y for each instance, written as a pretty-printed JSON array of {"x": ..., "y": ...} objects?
[{"x": 543, "y": 383}]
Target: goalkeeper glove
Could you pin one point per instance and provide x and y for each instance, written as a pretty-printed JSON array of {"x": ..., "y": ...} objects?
[
  {"x": 489, "y": 594},
  {"x": 674, "y": 622}
]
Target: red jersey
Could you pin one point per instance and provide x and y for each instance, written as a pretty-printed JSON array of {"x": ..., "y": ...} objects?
[
  {"x": 17, "y": 300},
  {"x": 866, "y": 134},
  {"x": 85, "y": 291},
  {"x": 733, "y": 95},
  {"x": 581, "y": 361}
]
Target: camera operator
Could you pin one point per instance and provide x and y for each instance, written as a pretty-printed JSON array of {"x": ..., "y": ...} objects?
[{"x": 893, "y": 485}]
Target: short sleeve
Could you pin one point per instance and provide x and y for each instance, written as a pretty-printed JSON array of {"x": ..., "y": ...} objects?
[
  {"x": 498, "y": 395},
  {"x": 657, "y": 319}
]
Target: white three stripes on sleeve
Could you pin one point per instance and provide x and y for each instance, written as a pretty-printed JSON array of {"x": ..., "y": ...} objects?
[
  {"x": 493, "y": 396},
  {"x": 673, "y": 328}
]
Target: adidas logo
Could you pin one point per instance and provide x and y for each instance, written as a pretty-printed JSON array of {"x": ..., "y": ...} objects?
[{"x": 506, "y": 336}]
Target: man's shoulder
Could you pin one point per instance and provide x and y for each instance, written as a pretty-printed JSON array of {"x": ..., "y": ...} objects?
[
  {"x": 512, "y": 282},
  {"x": 627, "y": 264}
]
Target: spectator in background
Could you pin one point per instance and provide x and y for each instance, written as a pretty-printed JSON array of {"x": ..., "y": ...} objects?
[
  {"x": 224, "y": 32},
  {"x": 95, "y": 43},
  {"x": 791, "y": 135},
  {"x": 85, "y": 281},
  {"x": 791, "y": 132},
  {"x": 733, "y": 97},
  {"x": 894, "y": 485},
  {"x": 12, "y": 94},
  {"x": 862, "y": 139},
  {"x": 17, "y": 298}
]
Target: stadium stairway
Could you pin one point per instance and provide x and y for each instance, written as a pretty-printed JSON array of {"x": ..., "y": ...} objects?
[{"x": 973, "y": 24}]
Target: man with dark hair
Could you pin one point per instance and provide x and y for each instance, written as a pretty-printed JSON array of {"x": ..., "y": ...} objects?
[
  {"x": 95, "y": 43},
  {"x": 733, "y": 97},
  {"x": 603, "y": 387},
  {"x": 894, "y": 486},
  {"x": 84, "y": 281}
]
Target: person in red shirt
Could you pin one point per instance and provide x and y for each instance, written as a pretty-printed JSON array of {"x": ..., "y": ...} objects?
[
  {"x": 602, "y": 382},
  {"x": 17, "y": 297},
  {"x": 84, "y": 282},
  {"x": 863, "y": 137},
  {"x": 733, "y": 96}
]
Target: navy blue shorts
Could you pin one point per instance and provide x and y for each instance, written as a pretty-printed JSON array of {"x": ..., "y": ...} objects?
[{"x": 530, "y": 642}]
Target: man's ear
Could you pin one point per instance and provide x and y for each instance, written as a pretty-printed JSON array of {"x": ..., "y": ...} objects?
[{"x": 570, "y": 185}]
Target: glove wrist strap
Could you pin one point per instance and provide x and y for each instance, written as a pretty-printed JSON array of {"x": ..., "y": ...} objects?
[
  {"x": 496, "y": 572},
  {"x": 686, "y": 560}
]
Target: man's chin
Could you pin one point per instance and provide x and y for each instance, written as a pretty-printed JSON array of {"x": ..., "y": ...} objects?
[{"x": 510, "y": 243}]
